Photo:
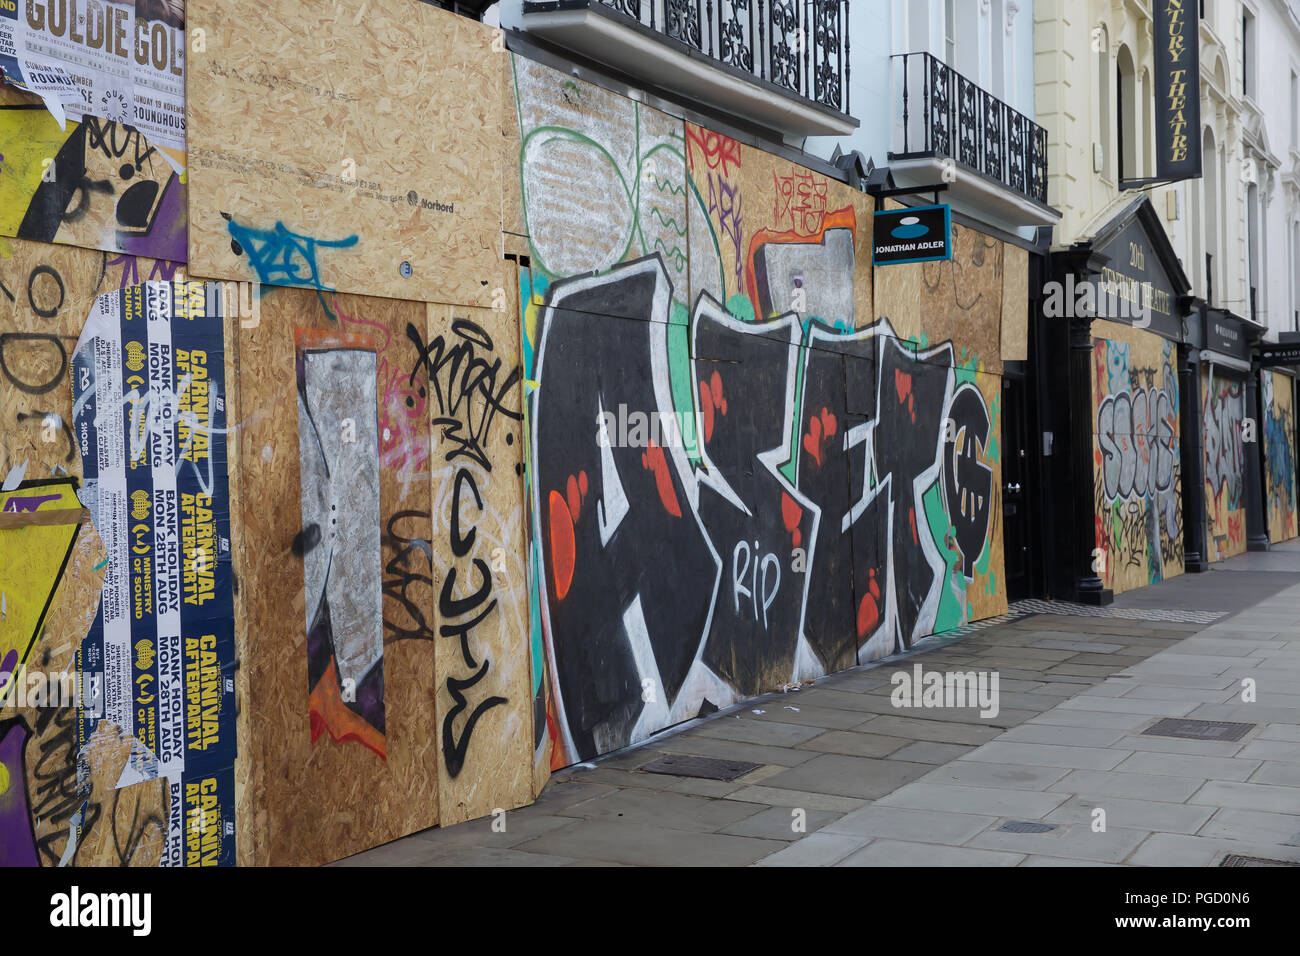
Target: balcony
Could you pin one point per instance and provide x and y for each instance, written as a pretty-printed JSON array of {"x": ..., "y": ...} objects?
[
  {"x": 781, "y": 64},
  {"x": 948, "y": 125}
]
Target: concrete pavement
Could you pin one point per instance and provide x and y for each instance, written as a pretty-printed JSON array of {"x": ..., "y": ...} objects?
[{"x": 845, "y": 777}]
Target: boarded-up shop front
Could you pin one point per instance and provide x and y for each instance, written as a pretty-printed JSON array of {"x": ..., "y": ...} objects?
[{"x": 476, "y": 445}]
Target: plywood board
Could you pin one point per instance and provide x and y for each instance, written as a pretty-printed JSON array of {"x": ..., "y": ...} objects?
[
  {"x": 45, "y": 293},
  {"x": 600, "y": 178},
  {"x": 1015, "y": 304},
  {"x": 1137, "y": 461},
  {"x": 484, "y": 687},
  {"x": 96, "y": 183},
  {"x": 1223, "y": 411},
  {"x": 318, "y": 801},
  {"x": 1277, "y": 396},
  {"x": 778, "y": 236},
  {"x": 307, "y": 122}
]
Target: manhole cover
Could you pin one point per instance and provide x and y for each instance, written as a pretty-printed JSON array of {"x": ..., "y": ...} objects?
[
  {"x": 707, "y": 768},
  {"x": 1026, "y": 826},
  {"x": 1197, "y": 729},
  {"x": 1235, "y": 859}
]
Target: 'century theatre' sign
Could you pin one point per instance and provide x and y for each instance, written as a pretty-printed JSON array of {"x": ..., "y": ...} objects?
[{"x": 1178, "y": 86}]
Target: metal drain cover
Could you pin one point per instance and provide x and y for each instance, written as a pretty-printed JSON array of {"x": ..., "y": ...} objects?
[
  {"x": 1197, "y": 729},
  {"x": 1026, "y": 826},
  {"x": 707, "y": 768},
  {"x": 1235, "y": 859}
]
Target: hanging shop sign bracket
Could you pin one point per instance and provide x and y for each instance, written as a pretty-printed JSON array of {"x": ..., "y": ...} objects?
[{"x": 882, "y": 193}]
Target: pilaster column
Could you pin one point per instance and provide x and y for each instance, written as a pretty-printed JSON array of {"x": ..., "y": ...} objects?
[
  {"x": 1192, "y": 458},
  {"x": 1089, "y": 587}
]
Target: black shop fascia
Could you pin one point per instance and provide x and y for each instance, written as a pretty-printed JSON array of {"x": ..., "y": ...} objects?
[{"x": 1136, "y": 275}]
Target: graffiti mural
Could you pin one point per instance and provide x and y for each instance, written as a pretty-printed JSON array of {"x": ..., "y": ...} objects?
[
  {"x": 780, "y": 572},
  {"x": 95, "y": 183},
  {"x": 1137, "y": 471},
  {"x": 1278, "y": 397},
  {"x": 822, "y": 484},
  {"x": 1223, "y": 414},
  {"x": 339, "y": 542}
]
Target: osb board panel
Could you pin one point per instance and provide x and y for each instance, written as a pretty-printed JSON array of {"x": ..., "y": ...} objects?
[
  {"x": 45, "y": 771},
  {"x": 774, "y": 233},
  {"x": 958, "y": 300},
  {"x": 49, "y": 289},
  {"x": 484, "y": 672},
  {"x": 512, "y": 206},
  {"x": 305, "y": 125},
  {"x": 1137, "y": 460},
  {"x": 46, "y": 291},
  {"x": 986, "y": 593},
  {"x": 316, "y": 802},
  {"x": 1223, "y": 410},
  {"x": 1277, "y": 395},
  {"x": 1015, "y": 304},
  {"x": 601, "y": 177},
  {"x": 136, "y": 205}
]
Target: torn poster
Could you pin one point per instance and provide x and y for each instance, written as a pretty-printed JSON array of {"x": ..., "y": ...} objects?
[
  {"x": 150, "y": 420},
  {"x": 124, "y": 62}
]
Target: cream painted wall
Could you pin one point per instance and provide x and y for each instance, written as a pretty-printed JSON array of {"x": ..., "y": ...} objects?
[{"x": 1077, "y": 47}]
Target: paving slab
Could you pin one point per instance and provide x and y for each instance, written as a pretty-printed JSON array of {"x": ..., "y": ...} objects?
[
  {"x": 667, "y": 809},
  {"x": 1281, "y": 773},
  {"x": 816, "y": 849},
  {"x": 1181, "y": 765},
  {"x": 781, "y": 797},
  {"x": 902, "y": 853},
  {"x": 846, "y": 776},
  {"x": 1048, "y": 755},
  {"x": 1138, "y": 786},
  {"x": 996, "y": 776},
  {"x": 1070, "y": 841},
  {"x": 694, "y": 745},
  {"x": 1151, "y": 815},
  {"x": 1248, "y": 796},
  {"x": 823, "y": 718},
  {"x": 1033, "y": 733},
  {"x": 855, "y": 743},
  {"x": 778, "y": 823},
  {"x": 1178, "y": 849},
  {"x": 622, "y": 841},
  {"x": 768, "y": 732},
  {"x": 931, "y": 752},
  {"x": 1026, "y": 804},
  {"x": 914, "y": 728},
  {"x": 1254, "y": 826},
  {"x": 903, "y": 823}
]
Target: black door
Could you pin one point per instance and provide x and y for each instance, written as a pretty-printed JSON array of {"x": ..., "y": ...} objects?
[{"x": 1015, "y": 495}]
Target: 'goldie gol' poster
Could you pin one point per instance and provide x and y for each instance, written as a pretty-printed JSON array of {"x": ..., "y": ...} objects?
[
  {"x": 124, "y": 62},
  {"x": 150, "y": 420}
]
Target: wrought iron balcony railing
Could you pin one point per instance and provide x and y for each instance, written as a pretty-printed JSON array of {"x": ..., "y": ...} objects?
[
  {"x": 945, "y": 114},
  {"x": 801, "y": 46}
]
